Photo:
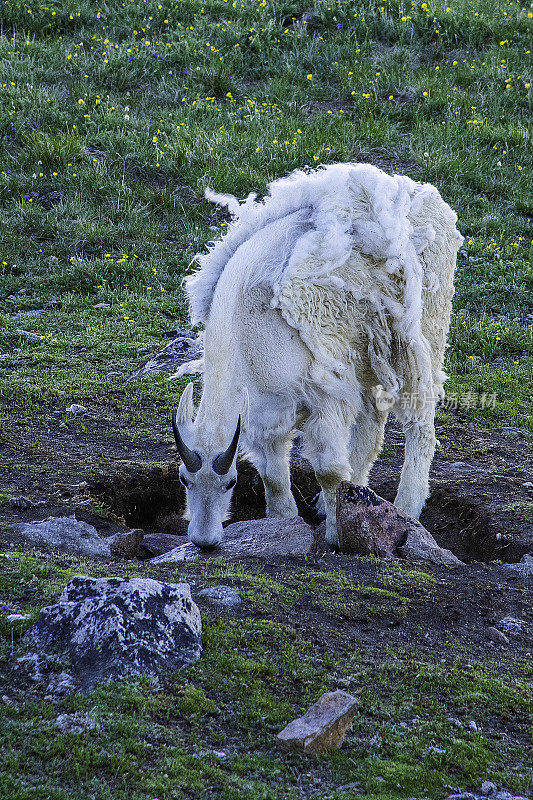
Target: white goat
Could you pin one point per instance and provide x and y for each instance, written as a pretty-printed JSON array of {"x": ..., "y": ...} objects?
[{"x": 325, "y": 306}]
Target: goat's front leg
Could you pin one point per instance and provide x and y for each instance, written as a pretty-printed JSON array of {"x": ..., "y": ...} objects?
[{"x": 271, "y": 457}]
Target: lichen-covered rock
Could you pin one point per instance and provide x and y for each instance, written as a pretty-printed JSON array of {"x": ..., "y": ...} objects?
[
  {"x": 323, "y": 726},
  {"x": 113, "y": 628},
  {"x": 64, "y": 533},
  {"x": 369, "y": 525}
]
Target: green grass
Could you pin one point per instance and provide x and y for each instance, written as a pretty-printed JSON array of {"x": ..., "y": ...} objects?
[
  {"x": 132, "y": 109},
  {"x": 208, "y": 731}
]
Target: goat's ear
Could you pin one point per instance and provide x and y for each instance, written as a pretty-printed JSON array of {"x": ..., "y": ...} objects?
[
  {"x": 185, "y": 413},
  {"x": 245, "y": 412}
]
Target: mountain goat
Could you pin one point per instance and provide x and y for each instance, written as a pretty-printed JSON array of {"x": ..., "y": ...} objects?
[{"x": 326, "y": 305}]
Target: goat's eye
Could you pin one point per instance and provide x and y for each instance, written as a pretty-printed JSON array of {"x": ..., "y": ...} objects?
[
  {"x": 231, "y": 484},
  {"x": 184, "y": 481}
]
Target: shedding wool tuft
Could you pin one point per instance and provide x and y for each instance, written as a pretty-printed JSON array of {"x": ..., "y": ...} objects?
[{"x": 357, "y": 258}]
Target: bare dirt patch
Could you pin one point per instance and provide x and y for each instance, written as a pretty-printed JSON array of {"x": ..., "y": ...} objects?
[{"x": 474, "y": 511}]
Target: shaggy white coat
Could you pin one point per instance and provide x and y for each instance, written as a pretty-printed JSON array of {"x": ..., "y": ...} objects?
[{"x": 329, "y": 303}]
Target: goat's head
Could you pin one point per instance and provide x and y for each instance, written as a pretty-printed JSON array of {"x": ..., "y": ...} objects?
[{"x": 208, "y": 477}]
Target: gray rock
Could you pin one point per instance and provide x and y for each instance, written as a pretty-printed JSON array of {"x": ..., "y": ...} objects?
[
  {"x": 515, "y": 432},
  {"x": 75, "y": 409},
  {"x": 524, "y": 567},
  {"x": 112, "y": 628},
  {"x": 102, "y": 305},
  {"x": 254, "y": 537},
  {"x": 64, "y": 533},
  {"x": 21, "y": 503},
  {"x": 497, "y": 636},
  {"x": 187, "y": 346},
  {"x": 472, "y": 725},
  {"x": 511, "y": 625},
  {"x": 59, "y": 685},
  {"x": 221, "y": 596},
  {"x": 14, "y": 618},
  {"x": 32, "y": 337},
  {"x": 488, "y": 788},
  {"x": 527, "y": 485},
  {"x": 76, "y": 723},
  {"x": 323, "y": 726}
]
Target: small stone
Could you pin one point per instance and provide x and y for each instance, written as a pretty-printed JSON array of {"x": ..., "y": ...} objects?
[
  {"x": 225, "y": 596},
  {"x": 488, "y": 788},
  {"x": 497, "y": 636},
  {"x": 155, "y": 544},
  {"x": 59, "y": 685},
  {"x": 33, "y": 312},
  {"x": 511, "y": 625},
  {"x": 515, "y": 432},
  {"x": 76, "y": 723},
  {"x": 126, "y": 544},
  {"x": 186, "y": 347},
  {"x": 527, "y": 485},
  {"x": 102, "y": 305},
  {"x": 21, "y": 503},
  {"x": 17, "y": 617},
  {"x": 75, "y": 409},
  {"x": 323, "y": 726},
  {"x": 472, "y": 725},
  {"x": 455, "y": 721},
  {"x": 524, "y": 568}
]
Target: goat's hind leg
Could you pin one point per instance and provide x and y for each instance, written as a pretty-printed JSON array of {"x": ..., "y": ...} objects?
[
  {"x": 366, "y": 441},
  {"x": 420, "y": 442},
  {"x": 326, "y": 437}
]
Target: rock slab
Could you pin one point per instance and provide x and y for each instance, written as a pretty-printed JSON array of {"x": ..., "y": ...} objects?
[
  {"x": 65, "y": 533},
  {"x": 368, "y": 525},
  {"x": 113, "y": 628},
  {"x": 523, "y": 568},
  {"x": 187, "y": 346},
  {"x": 155, "y": 544},
  {"x": 254, "y": 537},
  {"x": 323, "y": 726}
]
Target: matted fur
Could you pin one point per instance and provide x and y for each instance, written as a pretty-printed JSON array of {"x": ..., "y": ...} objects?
[{"x": 368, "y": 248}]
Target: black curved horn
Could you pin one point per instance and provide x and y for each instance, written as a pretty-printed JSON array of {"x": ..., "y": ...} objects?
[
  {"x": 192, "y": 460},
  {"x": 223, "y": 462}
]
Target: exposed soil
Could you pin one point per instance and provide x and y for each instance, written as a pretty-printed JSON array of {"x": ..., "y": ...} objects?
[{"x": 478, "y": 506}]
